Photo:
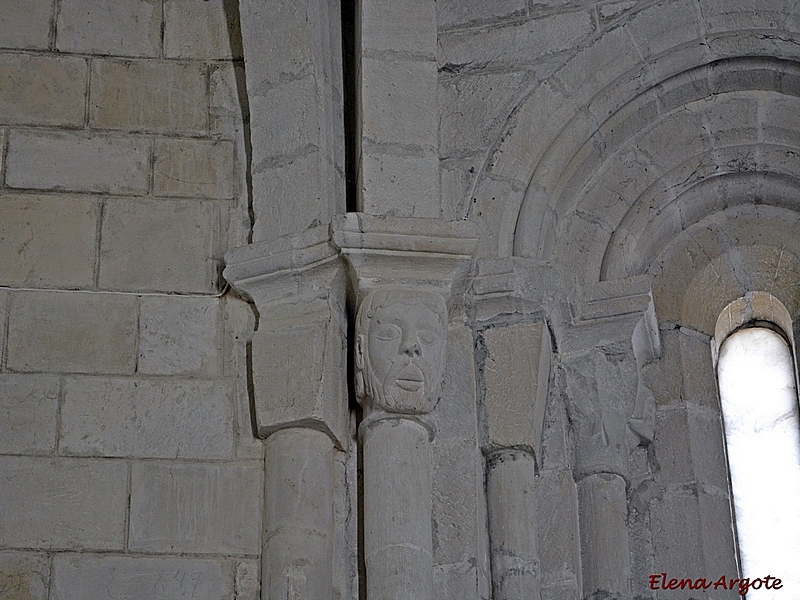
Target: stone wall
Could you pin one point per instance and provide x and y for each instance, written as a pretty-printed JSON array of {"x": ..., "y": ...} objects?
[
  {"x": 127, "y": 460},
  {"x": 626, "y": 169}
]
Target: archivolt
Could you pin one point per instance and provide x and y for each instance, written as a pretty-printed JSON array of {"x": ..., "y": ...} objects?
[{"x": 614, "y": 156}]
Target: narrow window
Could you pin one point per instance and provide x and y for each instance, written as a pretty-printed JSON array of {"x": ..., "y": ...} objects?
[{"x": 759, "y": 408}]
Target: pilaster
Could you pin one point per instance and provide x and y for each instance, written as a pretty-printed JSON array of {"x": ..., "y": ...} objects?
[
  {"x": 297, "y": 365},
  {"x": 613, "y": 334},
  {"x": 403, "y": 272}
]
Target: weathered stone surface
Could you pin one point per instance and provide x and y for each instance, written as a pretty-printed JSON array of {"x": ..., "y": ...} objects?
[
  {"x": 26, "y": 24},
  {"x": 5, "y": 298},
  {"x": 605, "y": 552},
  {"x": 397, "y": 99},
  {"x": 193, "y": 169},
  {"x": 291, "y": 117},
  {"x": 673, "y": 452},
  {"x": 159, "y": 97},
  {"x": 287, "y": 396},
  {"x": 48, "y": 241},
  {"x": 73, "y": 332},
  {"x": 180, "y": 336},
  {"x": 699, "y": 379},
  {"x": 28, "y": 413},
  {"x": 171, "y": 503},
  {"x": 399, "y": 26},
  {"x": 298, "y": 544},
  {"x": 476, "y": 108},
  {"x": 225, "y": 113},
  {"x": 283, "y": 182},
  {"x": 66, "y": 512},
  {"x": 122, "y": 28},
  {"x": 458, "y": 534},
  {"x": 517, "y": 43},
  {"x": 559, "y": 540},
  {"x": 205, "y": 30},
  {"x": 24, "y": 576},
  {"x": 401, "y": 186},
  {"x": 42, "y": 90},
  {"x": 77, "y": 162},
  {"x": 178, "y": 256},
  {"x": 239, "y": 322},
  {"x": 513, "y": 525},
  {"x": 397, "y": 523},
  {"x": 399, "y": 353},
  {"x": 95, "y": 576},
  {"x": 247, "y": 580},
  {"x": 146, "y": 418},
  {"x": 451, "y": 13},
  {"x": 516, "y": 376},
  {"x": 456, "y": 582},
  {"x": 676, "y": 528}
]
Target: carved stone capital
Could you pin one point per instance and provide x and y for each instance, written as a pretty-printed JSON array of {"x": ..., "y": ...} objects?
[
  {"x": 613, "y": 334},
  {"x": 298, "y": 284},
  {"x": 403, "y": 271},
  {"x": 420, "y": 254},
  {"x": 399, "y": 350}
]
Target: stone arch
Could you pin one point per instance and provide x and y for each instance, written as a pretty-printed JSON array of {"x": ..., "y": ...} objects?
[{"x": 545, "y": 182}]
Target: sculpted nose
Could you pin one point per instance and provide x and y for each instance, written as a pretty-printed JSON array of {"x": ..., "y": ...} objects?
[{"x": 410, "y": 344}]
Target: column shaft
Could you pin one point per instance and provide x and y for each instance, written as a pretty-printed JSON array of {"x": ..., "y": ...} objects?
[
  {"x": 297, "y": 561},
  {"x": 512, "y": 525},
  {"x": 605, "y": 550},
  {"x": 398, "y": 547}
]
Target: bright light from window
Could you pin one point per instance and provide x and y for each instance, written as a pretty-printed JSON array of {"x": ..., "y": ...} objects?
[{"x": 759, "y": 407}]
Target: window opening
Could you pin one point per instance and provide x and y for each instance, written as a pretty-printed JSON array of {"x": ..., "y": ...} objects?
[{"x": 762, "y": 431}]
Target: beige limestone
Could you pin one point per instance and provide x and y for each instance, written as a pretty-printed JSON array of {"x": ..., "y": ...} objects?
[
  {"x": 77, "y": 162},
  {"x": 159, "y": 245},
  {"x": 397, "y": 508},
  {"x": 42, "y": 90},
  {"x": 170, "y": 504},
  {"x": 66, "y": 513},
  {"x": 180, "y": 336},
  {"x": 91, "y": 576},
  {"x": 146, "y": 418},
  {"x": 158, "y": 97},
  {"x": 204, "y": 30},
  {"x": 603, "y": 526},
  {"x": 516, "y": 376},
  {"x": 24, "y": 575},
  {"x": 193, "y": 169},
  {"x": 298, "y": 544},
  {"x": 513, "y": 531},
  {"x": 28, "y": 414},
  {"x": 72, "y": 332},
  {"x": 121, "y": 28},
  {"x": 26, "y": 24},
  {"x": 48, "y": 240}
]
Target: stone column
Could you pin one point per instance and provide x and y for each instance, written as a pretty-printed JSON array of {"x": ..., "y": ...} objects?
[
  {"x": 298, "y": 286},
  {"x": 612, "y": 413},
  {"x": 403, "y": 270},
  {"x": 293, "y": 75},
  {"x": 398, "y": 124},
  {"x": 510, "y": 298},
  {"x": 515, "y": 382}
]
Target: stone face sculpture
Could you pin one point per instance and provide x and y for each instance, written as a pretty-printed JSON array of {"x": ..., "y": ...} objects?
[{"x": 400, "y": 341}]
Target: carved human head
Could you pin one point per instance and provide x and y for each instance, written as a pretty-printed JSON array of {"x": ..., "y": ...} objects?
[{"x": 400, "y": 341}]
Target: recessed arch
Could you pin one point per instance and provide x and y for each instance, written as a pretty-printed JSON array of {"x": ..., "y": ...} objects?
[{"x": 588, "y": 105}]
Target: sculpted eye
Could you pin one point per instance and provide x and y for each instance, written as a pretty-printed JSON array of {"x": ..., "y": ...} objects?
[
  {"x": 387, "y": 332},
  {"x": 426, "y": 336}
]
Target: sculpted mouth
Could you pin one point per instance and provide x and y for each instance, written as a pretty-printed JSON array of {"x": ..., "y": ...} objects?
[{"x": 410, "y": 379}]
